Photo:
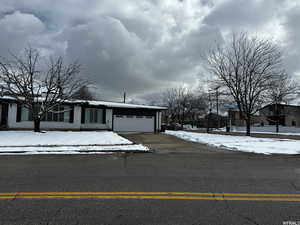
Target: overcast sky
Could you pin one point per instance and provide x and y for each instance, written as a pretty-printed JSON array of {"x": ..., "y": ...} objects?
[{"x": 144, "y": 46}]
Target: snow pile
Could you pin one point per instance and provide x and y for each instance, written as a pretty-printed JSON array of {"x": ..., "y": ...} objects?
[
  {"x": 242, "y": 143},
  {"x": 59, "y": 142},
  {"x": 23, "y": 138}
]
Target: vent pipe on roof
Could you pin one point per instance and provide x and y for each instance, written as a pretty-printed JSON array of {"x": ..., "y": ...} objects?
[{"x": 124, "y": 97}]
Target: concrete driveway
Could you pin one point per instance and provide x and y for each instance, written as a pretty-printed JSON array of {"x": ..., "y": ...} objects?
[{"x": 163, "y": 143}]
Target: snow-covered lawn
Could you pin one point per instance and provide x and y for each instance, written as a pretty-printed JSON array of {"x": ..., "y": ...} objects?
[
  {"x": 242, "y": 143},
  {"x": 283, "y": 130},
  {"x": 64, "y": 142},
  {"x": 23, "y": 138}
]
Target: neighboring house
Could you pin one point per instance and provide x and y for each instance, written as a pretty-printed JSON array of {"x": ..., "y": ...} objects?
[
  {"x": 212, "y": 120},
  {"x": 236, "y": 118},
  {"x": 289, "y": 115},
  {"x": 216, "y": 121},
  {"x": 84, "y": 115}
]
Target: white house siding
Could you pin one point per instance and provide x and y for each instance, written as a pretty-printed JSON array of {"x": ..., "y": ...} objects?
[
  {"x": 94, "y": 126},
  {"x": 109, "y": 118},
  {"x": 13, "y": 124},
  {"x": 76, "y": 125},
  {"x": 158, "y": 121}
]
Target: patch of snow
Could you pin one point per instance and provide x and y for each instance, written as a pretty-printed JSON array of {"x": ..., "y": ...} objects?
[
  {"x": 64, "y": 142},
  {"x": 137, "y": 147},
  {"x": 283, "y": 130},
  {"x": 119, "y": 105},
  {"x": 23, "y": 138},
  {"x": 71, "y": 149},
  {"x": 242, "y": 143},
  {"x": 55, "y": 153},
  {"x": 97, "y": 103}
]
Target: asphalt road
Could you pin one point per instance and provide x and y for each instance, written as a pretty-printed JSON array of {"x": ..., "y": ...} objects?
[{"x": 175, "y": 166}]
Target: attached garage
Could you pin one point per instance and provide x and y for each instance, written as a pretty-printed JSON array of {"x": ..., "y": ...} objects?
[
  {"x": 134, "y": 123},
  {"x": 134, "y": 120}
]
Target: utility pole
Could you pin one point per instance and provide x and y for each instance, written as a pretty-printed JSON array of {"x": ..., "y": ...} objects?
[
  {"x": 217, "y": 102},
  {"x": 209, "y": 114},
  {"x": 124, "y": 97}
]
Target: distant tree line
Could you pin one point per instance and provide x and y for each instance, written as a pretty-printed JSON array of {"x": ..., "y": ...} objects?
[{"x": 184, "y": 104}]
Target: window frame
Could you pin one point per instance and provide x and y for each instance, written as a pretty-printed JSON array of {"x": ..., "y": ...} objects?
[
  {"x": 62, "y": 114},
  {"x": 94, "y": 115}
]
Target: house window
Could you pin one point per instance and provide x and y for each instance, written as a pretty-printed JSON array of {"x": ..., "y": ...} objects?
[
  {"x": 93, "y": 115},
  {"x": 293, "y": 123},
  {"x": 58, "y": 114},
  {"x": 25, "y": 115}
]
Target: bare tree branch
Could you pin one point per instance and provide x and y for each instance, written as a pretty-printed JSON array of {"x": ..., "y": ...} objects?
[
  {"x": 247, "y": 66},
  {"x": 39, "y": 90}
]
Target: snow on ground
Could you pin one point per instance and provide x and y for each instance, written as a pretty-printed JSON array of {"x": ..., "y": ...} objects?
[
  {"x": 283, "y": 130},
  {"x": 23, "y": 138},
  {"x": 60, "y": 142},
  {"x": 72, "y": 149},
  {"x": 242, "y": 143}
]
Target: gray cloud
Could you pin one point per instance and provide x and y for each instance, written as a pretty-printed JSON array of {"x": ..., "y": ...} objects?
[
  {"x": 292, "y": 48},
  {"x": 243, "y": 13},
  {"x": 17, "y": 29},
  {"x": 142, "y": 46}
]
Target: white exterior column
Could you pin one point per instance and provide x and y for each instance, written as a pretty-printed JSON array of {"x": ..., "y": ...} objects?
[
  {"x": 12, "y": 115},
  {"x": 109, "y": 118}
]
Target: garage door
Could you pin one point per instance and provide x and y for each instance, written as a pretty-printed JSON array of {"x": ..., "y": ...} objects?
[{"x": 133, "y": 123}]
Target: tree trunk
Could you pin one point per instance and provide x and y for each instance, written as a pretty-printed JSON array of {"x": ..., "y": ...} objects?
[
  {"x": 207, "y": 125},
  {"x": 248, "y": 125},
  {"x": 277, "y": 118},
  {"x": 37, "y": 123},
  {"x": 277, "y": 126},
  {"x": 182, "y": 120}
]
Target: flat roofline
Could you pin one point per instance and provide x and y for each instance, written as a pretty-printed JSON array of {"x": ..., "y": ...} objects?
[{"x": 101, "y": 103}]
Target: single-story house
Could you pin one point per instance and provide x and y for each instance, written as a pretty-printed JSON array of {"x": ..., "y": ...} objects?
[{"x": 84, "y": 115}]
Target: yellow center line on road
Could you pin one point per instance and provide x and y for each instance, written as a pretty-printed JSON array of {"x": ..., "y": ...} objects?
[
  {"x": 153, "y": 195},
  {"x": 147, "y": 197}
]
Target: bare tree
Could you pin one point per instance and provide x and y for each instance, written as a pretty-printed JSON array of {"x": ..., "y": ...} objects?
[
  {"x": 247, "y": 67},
  {"x": 40, "y": 91},
  {"x": 172, "y": 98},
  {"x": 183, "y": 104},
  {"x": 84, "y": 94}
]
